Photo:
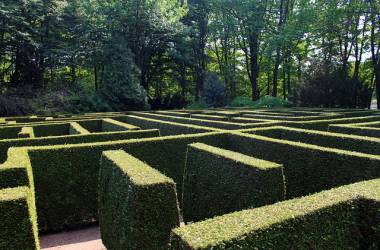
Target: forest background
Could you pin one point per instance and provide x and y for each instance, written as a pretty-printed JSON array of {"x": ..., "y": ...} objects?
[{"x": 113, "y": 55}]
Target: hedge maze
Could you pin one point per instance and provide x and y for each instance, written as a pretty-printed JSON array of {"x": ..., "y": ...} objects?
[{"x": 194, "y": 179}]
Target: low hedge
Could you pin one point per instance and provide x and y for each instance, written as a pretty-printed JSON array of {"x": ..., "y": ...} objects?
[
  {"x": 110, "y": 125},
  {"x": 324, "y": 124},
  {"x": 52, "y": 130},
  {"x": 16, "y": 171},
  {"x": 321, "y": 138},
  {"x": 327, "y": 220},
  {"x": 354, "y": 130},
  {"x": 308, "y": 168},
  {"x": 74, "y": 139},
  {"x": 9, "y": 132},
  {"x": 165, "y": 127},
  {"x": 76, "y": 129},
  {"x": 368, "y": 124},
  {"x": 61, "y": 170},
  {"x": 18, "y": 220},
  {"x": 138, "y": 205},
  {"x": 26, "y": 132},
  {"x": 219, "y": 181},
  {"x": 194, "y": 121}
]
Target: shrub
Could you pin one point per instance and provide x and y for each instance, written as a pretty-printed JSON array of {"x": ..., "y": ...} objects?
[
  {"x": 197, "y": 105},
  {"x": 214, "y": 91},
  {"x": 242, "y": 101},
  {"x": 137, "y": 204},
  {"x": 270, "y": 101},
  {"x": 219, "y": 181},
  {"x": 326, "y": 220}
]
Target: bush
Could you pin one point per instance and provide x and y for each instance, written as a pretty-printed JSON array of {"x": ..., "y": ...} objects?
[
  {"x": 137, "y": 204},
  {"x": 219, "y": 181},
  {"x": 242, "y": 101},
  {"x": 270, "y": 102},
  {"x": 214, "y": 91},
  {"x": 197, "y": 105},
  {"x": 328, "y": 220}
]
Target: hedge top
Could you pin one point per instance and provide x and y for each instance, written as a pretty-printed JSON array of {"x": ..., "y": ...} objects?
[
  {"x": 237, "y": 157},
  {"x": 139, "y": 172},
  {"x": 16, "y": 193},
  {"x": 237, "y": 225}
]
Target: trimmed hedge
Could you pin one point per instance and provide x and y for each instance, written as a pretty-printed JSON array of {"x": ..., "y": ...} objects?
[
  {"x": 138, "y": 205},
  {"x": 328, "y": 220},
  {"x": 110, "y": 125},
  {"x": 308, "y": 168},
  {"x": 219, "y": 181},
  {"x": 60, "y": 171},
  {"x": 354, "y": 130},
  {"x": 74, "y": 139},
  {"x": 325, "y": 139},
  {"x": 26, "y": 132},
  {"x": 18, "y": 220},
  {"x": 17, "y": 170},
  {"x": 166, "y": 127},
  {"x": 194, "y": 121},
  {"x": 76, "y": 129},
  {"x": 324, "y": 124}
]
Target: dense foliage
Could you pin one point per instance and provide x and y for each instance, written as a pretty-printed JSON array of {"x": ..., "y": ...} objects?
[{"x": 104, "y": 55}]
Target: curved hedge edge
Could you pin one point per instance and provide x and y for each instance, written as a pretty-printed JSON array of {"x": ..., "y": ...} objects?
[
  {"x": 110, "y": 125},
  {"x": 219, "y": 181},
  {"x": 138, "y": 205},
  {"x": 322, "y": 220}
]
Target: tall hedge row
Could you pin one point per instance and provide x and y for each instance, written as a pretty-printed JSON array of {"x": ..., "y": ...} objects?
[
  {"x": 343, "y": 218},
  {"x": 138, "y": 205},
  {"x": 60, "y": 171},
  {"x": 18, "y": 220},
  {"x": 308, "y": 168},
  {"x": 109, "y": 125},
  {"x": 324, "y": 139},
  {"x": 360, "y": 131},
  {"x": 74, "y": 139},
  {"x": 219, "y": 181}
]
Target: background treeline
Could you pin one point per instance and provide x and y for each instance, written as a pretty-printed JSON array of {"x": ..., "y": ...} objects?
[{"x": 104, "y": 55}]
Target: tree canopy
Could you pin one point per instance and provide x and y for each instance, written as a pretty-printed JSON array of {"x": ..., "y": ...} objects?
[{"x": 104, "y": 55}]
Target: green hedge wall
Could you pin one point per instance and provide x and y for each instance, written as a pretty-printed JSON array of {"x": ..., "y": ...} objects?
[
  {"x": 308, "y": 168},
  {"x": 9, "y": 132},
  {"x": 325, "y": 139},
  {"x": 166, "y": 127},
  {"x": 51, "y": 130},
  {"x": 18, "y": 220},
  {"x": 26, "y": 132},
  {"x": 194, "y": 121},
  {"x": 361, "y": 131},
  {"x": 60, "y": 171},
  {"x": 138, "y": 205},
  {"x": 74, "y": 139},
  {"x": 76, "y": 129},
  {"x": 219, "y": 181},
  {"x": 327, "y": 220},
  {"x": 110, "y": 125},
  {"x": 324, "y": 124}
]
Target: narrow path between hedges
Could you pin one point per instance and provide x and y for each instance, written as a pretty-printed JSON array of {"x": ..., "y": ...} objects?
[{"x": 85, "y": 239}]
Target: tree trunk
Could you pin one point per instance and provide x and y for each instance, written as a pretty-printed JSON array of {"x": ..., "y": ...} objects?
[{"x": 254, "y": 47}]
